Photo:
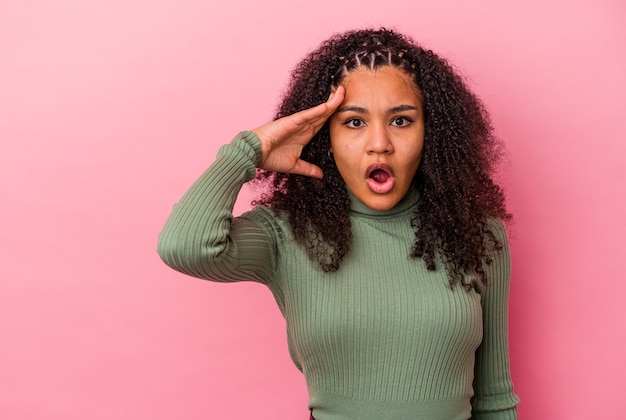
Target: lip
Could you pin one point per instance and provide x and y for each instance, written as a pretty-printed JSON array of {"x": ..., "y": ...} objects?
[
  {"x": 381, "y": 166},
  {"x": 380, "y": 187}
]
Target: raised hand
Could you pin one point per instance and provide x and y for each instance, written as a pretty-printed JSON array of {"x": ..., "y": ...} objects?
[{"x": 282, "y": 140}]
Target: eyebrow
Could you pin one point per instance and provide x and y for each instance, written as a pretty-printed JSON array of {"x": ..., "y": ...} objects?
[
  {"x": 356, "y": 109},
  {"x": 361, "y": 110}
]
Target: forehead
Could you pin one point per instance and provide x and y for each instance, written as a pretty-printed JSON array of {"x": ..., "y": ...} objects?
[{"x": 384, "y": 82}]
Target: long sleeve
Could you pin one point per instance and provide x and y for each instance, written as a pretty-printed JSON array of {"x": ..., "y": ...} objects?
[
  {"x": 202, "y": 239},
  {"x": 494, "y": 397}
]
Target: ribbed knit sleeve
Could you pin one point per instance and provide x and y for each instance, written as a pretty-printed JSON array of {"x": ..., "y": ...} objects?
[
  {"x": 494, "y": 398},
  {"x": 202, "y": 239}
]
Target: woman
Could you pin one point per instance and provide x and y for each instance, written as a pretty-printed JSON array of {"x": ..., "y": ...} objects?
[{"x": 379, "y": 236}]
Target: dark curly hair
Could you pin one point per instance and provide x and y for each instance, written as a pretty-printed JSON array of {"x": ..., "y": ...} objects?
[{"x": 458, "y": 195}]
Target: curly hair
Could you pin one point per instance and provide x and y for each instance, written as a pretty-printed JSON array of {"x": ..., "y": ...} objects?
[{"x": 458, "y": 195}]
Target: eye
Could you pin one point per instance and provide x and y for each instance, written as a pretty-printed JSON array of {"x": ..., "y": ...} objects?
[
  {"x": 401, "y": 121},
  {"x": 354, "y": 123}
]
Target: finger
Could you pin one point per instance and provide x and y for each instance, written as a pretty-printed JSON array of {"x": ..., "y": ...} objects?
[
  {"x": 311, "y": 114},
  {"x": 332, "y": 103},
  {"x": 307, "y": 169},
  {"x": 336, "y": 98},
  {"x": 323, "y": 110},
  {"x": 313, "y": 118}
]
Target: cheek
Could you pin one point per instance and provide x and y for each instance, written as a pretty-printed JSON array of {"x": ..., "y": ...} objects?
[
  {"x": 332, "y": 132},
  {"x": 414, "y": 160},
  {"x": 417, "y": 149},
  {"x": 344, "y": 153},
  {"x": 347, "y": 151},
  {"x": 346, "y": 163},
  {"x": 346, "y": 166},
  {"x": 417, "y": 161}
]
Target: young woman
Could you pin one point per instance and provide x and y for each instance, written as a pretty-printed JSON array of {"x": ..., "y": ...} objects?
[{"x": 380, "y": 234}]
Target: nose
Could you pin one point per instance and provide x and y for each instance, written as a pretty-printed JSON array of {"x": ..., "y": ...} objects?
[{"x": 379, "y": 141}]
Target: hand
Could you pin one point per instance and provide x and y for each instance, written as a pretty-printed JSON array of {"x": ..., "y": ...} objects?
[{"x": 282, "y": 140}]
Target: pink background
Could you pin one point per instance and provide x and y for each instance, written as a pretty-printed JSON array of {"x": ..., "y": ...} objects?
[{"x": 109, "y": 109}]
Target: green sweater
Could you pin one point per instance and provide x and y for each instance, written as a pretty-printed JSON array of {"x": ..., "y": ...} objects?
[{"x": 381, "y": 338}]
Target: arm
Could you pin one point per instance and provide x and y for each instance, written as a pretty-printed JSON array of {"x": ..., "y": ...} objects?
[
  {"x": 201, "y": 238},
  {"x": 493, "y": 388}
]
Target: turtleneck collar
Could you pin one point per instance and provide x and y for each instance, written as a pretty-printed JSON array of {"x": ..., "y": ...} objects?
[{"x": 407, "y": 203}]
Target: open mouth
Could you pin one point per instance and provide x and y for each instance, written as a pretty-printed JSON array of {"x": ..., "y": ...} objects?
[{"x": 380, "y": 178}]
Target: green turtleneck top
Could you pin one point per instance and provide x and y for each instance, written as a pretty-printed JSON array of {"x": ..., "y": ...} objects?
[{"x": 381, "y": 338}]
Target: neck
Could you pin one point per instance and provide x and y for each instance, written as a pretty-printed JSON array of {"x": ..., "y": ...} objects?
[{"x": 408, "y": 202}]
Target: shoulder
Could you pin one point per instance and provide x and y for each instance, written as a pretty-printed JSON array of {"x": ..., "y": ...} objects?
[
  {"x": 498, "y": 268},
  {"x": 497, "y": 234}
]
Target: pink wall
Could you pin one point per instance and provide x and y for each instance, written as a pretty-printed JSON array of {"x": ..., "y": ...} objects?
[{"x": 109, "y": 109}]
